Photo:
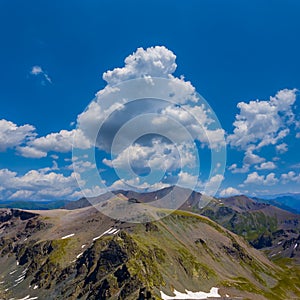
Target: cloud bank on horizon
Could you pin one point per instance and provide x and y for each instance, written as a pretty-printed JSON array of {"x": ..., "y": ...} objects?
[{"x": 263, "y": 133}]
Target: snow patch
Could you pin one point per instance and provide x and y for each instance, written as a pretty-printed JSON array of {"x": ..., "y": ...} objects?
[
  {"x": 68, "y": 236},
  {"x": 28, "y": 298},
  {"x": 79, "y": 255},
  {"x": 24, "y": 272},
  {"x": 295, "y": 246},
  {"x": 98, "y": 237},
  {"x": 20, "y": 278},
  {"x": 214, "y": 292},
  {"x": 83, "y": 246}
]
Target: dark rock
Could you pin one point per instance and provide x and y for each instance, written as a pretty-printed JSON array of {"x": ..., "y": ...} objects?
[{"x": 122, "y": 275}]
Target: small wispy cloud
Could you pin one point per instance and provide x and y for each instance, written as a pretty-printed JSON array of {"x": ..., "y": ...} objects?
[{"x": 38, "y": 71}]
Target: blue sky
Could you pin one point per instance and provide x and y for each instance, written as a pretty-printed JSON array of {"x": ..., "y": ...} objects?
[{"x": 53, "y": 55}]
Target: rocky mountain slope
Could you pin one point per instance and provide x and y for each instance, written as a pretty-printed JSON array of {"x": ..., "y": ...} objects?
[
  {"x": 264, "y": 226},
  {"x": 82, "y": 254}
]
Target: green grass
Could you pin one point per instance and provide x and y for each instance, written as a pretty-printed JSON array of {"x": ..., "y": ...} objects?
[{"x": 62, "y": 251}]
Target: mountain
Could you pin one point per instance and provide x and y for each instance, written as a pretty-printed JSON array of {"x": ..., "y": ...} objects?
[
  {"x": 277, "y": 204},
  {"x": 290, "y": 202},
  {"x": 34, "y": 204},
  {"x": 264, "y": 226},
  {"x": 175, "y": 194},
  {"x": 82, "y": 254},
  {"x": 274, "y": 196}
]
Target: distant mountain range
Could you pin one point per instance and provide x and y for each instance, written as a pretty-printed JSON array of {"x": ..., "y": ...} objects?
[
  {"x": 274, "y": 196},
  {"x": 287, "y": 201},
  {"x": 34, "y": 204}
]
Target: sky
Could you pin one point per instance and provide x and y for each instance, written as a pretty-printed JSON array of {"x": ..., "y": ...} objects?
[{"x": 60, "y": 62}]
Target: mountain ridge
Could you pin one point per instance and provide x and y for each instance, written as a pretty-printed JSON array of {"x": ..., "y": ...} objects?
[{"x": 184, "y": 250}]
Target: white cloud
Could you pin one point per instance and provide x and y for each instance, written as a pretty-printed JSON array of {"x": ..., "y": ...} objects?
[
  {"x": 21, "y": 194},
  {"x": 291, "y": 176},
  {"x": 36, "y": 184},
  {"x": 260, "y": 124},
  {"x": 263, "y": 123},
  {"x": 31, "y": 152},
  {"x": 250, "y": 158},
  {"x": 150, "y": 62},
  {"x": 157, "y": 156},
  {"x": 266, "y": 166},
  {"x": 282, "y": 148},
  {"x": 230, "y": 191},
  {"x": 81, "y": 165},
  {"x": 154, "y": 62},
  {"x": 12, "y": 135},
  {"x": 24, "y": 139},
  {"x": 92, "y": 192},
  {"x": 234, "y": 169},
  {"x": 145, "y": 64},
  {"x": 58, "y": 142},
  {"x": 270, "y": 179},
  {"x": 190, "y": 117},
  {"x": 38, "y": 71},
  {"x": 187, "y": 180},
  {"x": 183, "y": 119},
  {"x": 136, "y": 184},
  {"x": 48, "y": 169},
  {"x": 296, "y": 166},
  {"x": 212, "y": 184},
  {"x": 254, "y": 178}
]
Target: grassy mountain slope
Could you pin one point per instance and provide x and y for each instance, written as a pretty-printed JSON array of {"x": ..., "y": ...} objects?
[
  {"x": 262, "y": 225},
  {"x": 64, "y": 254}
]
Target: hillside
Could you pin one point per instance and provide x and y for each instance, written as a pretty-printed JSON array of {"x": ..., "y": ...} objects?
[
  {"x": 81, "y": 254},
  {"x": 264, "y": 226},
  {"x": 289, "y": 202}
]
